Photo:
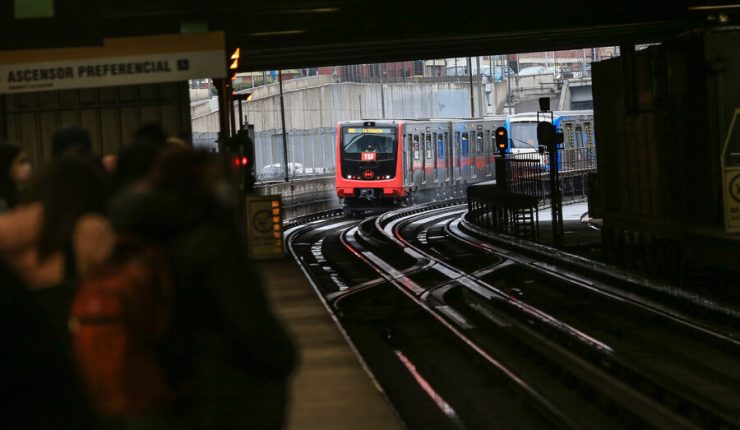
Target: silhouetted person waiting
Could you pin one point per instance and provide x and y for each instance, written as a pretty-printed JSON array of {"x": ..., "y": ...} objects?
[
  {"x": 71, "y": 139},
  {"x": 224, "y": 345},
  {"x": 39, "y": 388},
  {"x": 15, "y": 172}
]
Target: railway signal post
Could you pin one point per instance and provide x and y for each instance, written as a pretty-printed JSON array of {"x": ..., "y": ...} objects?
[
  {"x": 502, "y": 144},
  {"x": 549, "y": 137}
]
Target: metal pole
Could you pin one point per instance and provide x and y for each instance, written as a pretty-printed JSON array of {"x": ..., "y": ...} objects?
[
  {"x": 241, "y": 114},
  {"x": 583, "y": 63},
  {"x": 508, "y": 83},
  {"x": 282, "y": 118},
  {"x": 470, "y": 76},
  {"x": 382, "y": 96},
  {"x": 223, "y": 119},
  {"x": 480, "y": 87},
  {"x": 556, "y": 197},
  {"x": 493, "y": 84}
]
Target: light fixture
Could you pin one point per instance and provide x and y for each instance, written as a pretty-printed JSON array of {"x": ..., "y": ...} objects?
[
  {"x": 276, "y": 33},
  {"x": 716, "y": 7}
]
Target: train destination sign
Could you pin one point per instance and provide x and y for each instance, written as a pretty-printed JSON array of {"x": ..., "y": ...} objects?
[
  {"x": 120, "y": 61},
  {"x": 370, "y": 130}
]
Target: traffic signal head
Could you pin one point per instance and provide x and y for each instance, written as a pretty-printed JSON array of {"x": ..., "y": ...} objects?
[
  {"x": 502, "y": 139},
  {"x": 240, "y": 161},
  {"x": 548, "y": 135},
  {"x": 242, "y": 150}
]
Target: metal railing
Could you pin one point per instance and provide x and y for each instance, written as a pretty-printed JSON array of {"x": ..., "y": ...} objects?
[{"x": 529, "y": 173}]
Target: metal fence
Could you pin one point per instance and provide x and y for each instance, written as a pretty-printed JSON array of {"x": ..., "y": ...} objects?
[
  {"x": 310, "y": 152},
  {"x": 529, "y": 173}
]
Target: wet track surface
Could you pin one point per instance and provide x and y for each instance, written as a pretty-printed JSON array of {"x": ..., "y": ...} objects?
[{"x": 511, "y": 338}]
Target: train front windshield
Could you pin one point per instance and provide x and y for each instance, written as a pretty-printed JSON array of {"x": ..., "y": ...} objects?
[
  {"x": 369, "y": 153},
  {"x": 523, "y": 135},
  {"x": 378, "y": 140}
]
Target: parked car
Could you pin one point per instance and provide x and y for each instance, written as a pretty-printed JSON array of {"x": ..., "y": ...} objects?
[
  {"x": 535, "y": 70},
  {"x": 277, "y": 169}
]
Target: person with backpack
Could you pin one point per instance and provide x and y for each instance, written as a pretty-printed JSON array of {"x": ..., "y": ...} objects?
[{"x": 224, "y": 356}]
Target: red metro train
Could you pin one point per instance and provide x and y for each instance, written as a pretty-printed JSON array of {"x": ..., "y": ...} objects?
[{"x": 385, "y": 163}]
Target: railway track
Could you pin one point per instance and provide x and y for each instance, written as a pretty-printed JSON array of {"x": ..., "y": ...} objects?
[{"x": 540, "y": 341}]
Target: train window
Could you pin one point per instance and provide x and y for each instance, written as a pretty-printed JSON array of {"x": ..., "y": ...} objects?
[
  {"x": 440, "y": 146},
  {"x": 428, "y": 146},
  {"x": 579, "y": 137},
  {"x": 465, "y": 144},
  {"x": 379, "y": 140},
  {"x": 415, "y": 147},
  {"x": 479, "y": 143}
]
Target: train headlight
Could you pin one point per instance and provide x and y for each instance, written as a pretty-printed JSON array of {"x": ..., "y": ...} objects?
[
  {"x": 387, "y": 176},
  {"x": 349, "y": 176}
]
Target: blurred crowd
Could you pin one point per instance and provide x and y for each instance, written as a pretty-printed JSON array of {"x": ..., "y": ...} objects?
[{"x": 155, "y": 222}]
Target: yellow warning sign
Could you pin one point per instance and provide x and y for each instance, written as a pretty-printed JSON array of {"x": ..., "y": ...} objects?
[
  {"x": 731, "y": 175},
  {"x": 732, "y": 200},
  {"x": 264, "y": 227}
]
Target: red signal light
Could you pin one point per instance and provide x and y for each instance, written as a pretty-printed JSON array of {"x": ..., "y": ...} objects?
[{"x": 240, "y": 161}]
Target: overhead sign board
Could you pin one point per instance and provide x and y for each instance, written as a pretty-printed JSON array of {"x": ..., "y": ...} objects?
[
  {"x": 120, "y": 61},
  {"x": 264, "y": 227}
]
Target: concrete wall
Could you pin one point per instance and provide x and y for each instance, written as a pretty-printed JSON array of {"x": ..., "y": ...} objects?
[
  {"x": 322, "y": 101},
  {"x": 327, "y": 104}
]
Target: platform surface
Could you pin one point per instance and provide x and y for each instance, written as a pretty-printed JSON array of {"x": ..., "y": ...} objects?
[{"x": 330, "y": 389}]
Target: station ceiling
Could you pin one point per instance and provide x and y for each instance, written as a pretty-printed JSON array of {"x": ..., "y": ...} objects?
[{"x": 297, "y": 33}]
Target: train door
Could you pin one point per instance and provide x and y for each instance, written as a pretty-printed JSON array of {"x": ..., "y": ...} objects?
[
  {"x": 415, "y": 149},
  {"x": 407, "y": 169},
  {"x": 487, "y": 150},
  {"x": 456, "y": 143},
  {"x": 465, "y": 151},
  {"x": 424, "y": 152},
  {"x": 578, "y": 158},
  {"x": 427, "y": 155},
  {"x": 567, "y": 154},
  {"x": 435, "y": 157},
  {"x": 448, "y": 157},
  {"x": 438, "y": 154},
  {"x": 474, "y": 154},
  {"x": 589, "y": 151}
]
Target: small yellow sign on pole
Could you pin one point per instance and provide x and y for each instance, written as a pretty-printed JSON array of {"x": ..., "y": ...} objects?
[
  {"x": 264, "y": 227},
  {"x": 731, "y": 175}
]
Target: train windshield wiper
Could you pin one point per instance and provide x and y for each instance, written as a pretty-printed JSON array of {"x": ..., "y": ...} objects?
[
  {"x": 524, "y": 142},
  {"x": 352, "y": 140}
]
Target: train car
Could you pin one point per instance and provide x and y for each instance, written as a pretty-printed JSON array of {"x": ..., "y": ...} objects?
[
  {"x": 385, "y": 163},
  {"x": 578, "y": 129}
]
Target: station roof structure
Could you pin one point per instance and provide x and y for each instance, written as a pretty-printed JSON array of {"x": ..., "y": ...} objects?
[{"x": 300, "y": 33}]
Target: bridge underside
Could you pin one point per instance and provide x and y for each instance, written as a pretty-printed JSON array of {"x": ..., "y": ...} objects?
[{"x": 295, "y": 33}]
